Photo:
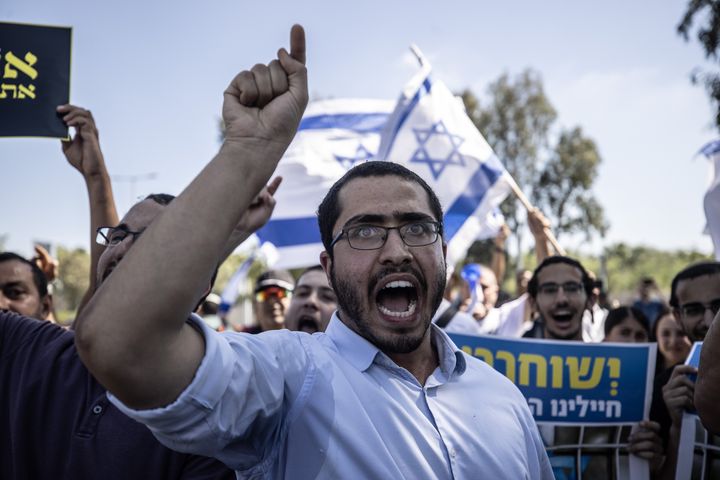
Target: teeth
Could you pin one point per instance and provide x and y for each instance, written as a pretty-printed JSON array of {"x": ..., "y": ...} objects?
[
  {"x": 398, "y": 284},
  {"x": 410, "y": 310}
]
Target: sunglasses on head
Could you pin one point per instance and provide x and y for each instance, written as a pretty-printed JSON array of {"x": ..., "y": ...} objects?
[{"x": 268, "y": 293}]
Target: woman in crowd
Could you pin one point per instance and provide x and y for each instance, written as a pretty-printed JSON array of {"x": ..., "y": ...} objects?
[
  {"x": 626, "y": 325},
  {"x": 673, "y": 344}
]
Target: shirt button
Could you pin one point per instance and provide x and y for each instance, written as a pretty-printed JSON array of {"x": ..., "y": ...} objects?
[
  {"x": 97, "y": 410},
  {"x": 453, "y": 454}
]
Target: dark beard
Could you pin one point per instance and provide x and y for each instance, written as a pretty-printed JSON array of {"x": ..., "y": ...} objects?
[{"x": 355, "y": 315}]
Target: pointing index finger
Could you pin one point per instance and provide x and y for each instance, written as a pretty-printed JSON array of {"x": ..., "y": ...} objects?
[{"x": 297, "y": 43}]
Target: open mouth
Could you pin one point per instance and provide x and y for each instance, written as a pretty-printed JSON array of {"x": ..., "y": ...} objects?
[
  {"x": 397, "y": 299},
  {"x": 307, "y": 324},
  {"x": 563, "y": 319}
]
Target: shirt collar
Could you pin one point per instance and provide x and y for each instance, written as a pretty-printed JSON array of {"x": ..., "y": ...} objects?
[
  {"x": 452, "y": 359},
  {"x": 361, "y": 353},
  {"x": 355, "y": 349}
]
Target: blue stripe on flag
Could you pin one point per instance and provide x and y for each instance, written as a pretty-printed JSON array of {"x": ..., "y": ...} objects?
[
  {"x": 711, "y": 148},
  {"x": 288, "y": 232},
  {"x": 357, "y": 122},
  {"x": 425, "y": 88},
  {"x": 470, "y": 199}
]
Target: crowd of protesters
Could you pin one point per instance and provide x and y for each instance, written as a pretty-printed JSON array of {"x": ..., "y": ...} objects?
[{"x": 374, "y": 391}]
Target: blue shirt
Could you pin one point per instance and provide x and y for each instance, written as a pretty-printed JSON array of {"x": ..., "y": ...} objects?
[
  {"x": 56, "y": 421},
  {"x": 287, "y": 404}
]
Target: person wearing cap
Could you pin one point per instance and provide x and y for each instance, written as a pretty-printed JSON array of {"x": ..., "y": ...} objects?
[
  {"x": 273, "y": 290},
  {"x": 208, "y": 311}
]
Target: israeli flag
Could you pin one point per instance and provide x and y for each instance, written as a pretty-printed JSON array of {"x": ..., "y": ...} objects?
[
  {"x": 711, "y": 201},
  {"x": 333, "y": 136},
  {"x": 430, "y": 133}
]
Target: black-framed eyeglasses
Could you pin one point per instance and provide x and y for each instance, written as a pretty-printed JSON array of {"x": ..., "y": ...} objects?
[
  {"x": 111, "y": 236},
  {"x": 372, "y": 237},
  {"x": 697, "y": 309},
  {"x": 552, "y": 288}
]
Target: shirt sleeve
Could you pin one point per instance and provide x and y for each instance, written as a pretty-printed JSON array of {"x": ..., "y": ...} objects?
[
  {"x": 538, "y": 461},
  {"x": 236, "y": 405}
]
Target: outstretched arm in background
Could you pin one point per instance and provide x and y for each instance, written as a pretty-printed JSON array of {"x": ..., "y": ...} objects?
[
  {"x": 707, "y": 388},
  {"x": 84, "y": 154},
  {"x": 498, "y": 262},
  {"x": 257, "y": 215},
  {"x": 539, "y": 225},
  {"x": 133, "y": 334}
]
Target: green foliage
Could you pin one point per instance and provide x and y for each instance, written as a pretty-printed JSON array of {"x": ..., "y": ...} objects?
[
  {"x": 708, "y": 34},
  {"x": 626, "y": 265},
  {"x": 228, "y": 268},
  {"x": 563, "y": 188},
  {"x": 73, "y": 277},
  {"x": 558, "y": 176},
  {"x": 516, "y": 124}
]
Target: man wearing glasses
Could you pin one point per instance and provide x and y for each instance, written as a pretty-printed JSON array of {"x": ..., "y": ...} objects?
[
  {"x": 381, "y": 394},
  {"x": 695, "y": 300},
  {"x": 560, "y": 291}
]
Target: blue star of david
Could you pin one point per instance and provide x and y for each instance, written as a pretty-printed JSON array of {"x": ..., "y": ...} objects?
[
  {"x": 362, "y": 154},
  {"x": 453, "y": 142}
]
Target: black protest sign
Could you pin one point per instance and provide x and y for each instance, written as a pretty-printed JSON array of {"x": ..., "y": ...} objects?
[{"x": 34, "y": 79}]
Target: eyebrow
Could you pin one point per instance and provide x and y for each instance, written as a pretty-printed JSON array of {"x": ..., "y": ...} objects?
[
  {"x": 375, "y": 218},
  {"x": 701, "y": 303}
]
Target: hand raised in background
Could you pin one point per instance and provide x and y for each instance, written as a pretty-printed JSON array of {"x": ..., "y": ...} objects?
[
  {"x": 257, "y": 215},
  {"x": 83, "y": 151}
]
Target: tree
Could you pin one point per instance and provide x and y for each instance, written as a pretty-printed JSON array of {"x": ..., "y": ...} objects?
[
  {"x": 708, "y": 34},
  {"x": 518, "y": 122},
  {"x": 563, "y": 188},
  {"x": 73, "y": 276}
]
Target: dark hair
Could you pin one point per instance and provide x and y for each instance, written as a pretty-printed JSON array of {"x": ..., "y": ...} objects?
[
  {"x": 307, "y": 270},
  {"x": 160, "y": 198},
  {"x": 693, "y": 271},
  {"x": 618, "y": 315},
  {"x": 329, "y": 209},
  {"x": 39, "y": 278},
  {"x": 663, "y": 311},
  {"x": 588, "y": 283}
]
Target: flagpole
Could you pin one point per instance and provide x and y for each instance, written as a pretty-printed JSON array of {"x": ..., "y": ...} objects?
[{"x": 529, "y": 206}]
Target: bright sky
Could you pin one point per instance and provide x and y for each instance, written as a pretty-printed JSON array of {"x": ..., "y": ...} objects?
[{"x": 153, "y": 74}]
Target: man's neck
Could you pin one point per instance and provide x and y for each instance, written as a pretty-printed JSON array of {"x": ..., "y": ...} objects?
[{"x": 421, "y": 362}]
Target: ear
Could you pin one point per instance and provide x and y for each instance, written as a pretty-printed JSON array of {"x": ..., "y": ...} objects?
[
  {"x": 47, "y": 306},
  {"x": 678, "y": 316},
  {"x": 326, "y": 263},
  {"x": 444, "y": 250},
  {"x": 531, "y": 302}
]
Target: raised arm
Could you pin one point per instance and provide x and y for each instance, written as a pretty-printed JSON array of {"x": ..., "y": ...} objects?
[
  {"x": 498, "y": 262},
  {"x": 539, "y": 226},
  {"x": 84, "y": 154},
  {"x": 707, "y": 388},
  {"x": 133, "y": 334}
]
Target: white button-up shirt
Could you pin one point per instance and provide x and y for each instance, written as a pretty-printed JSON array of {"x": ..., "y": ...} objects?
[{"x": 290, "y": 405}]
